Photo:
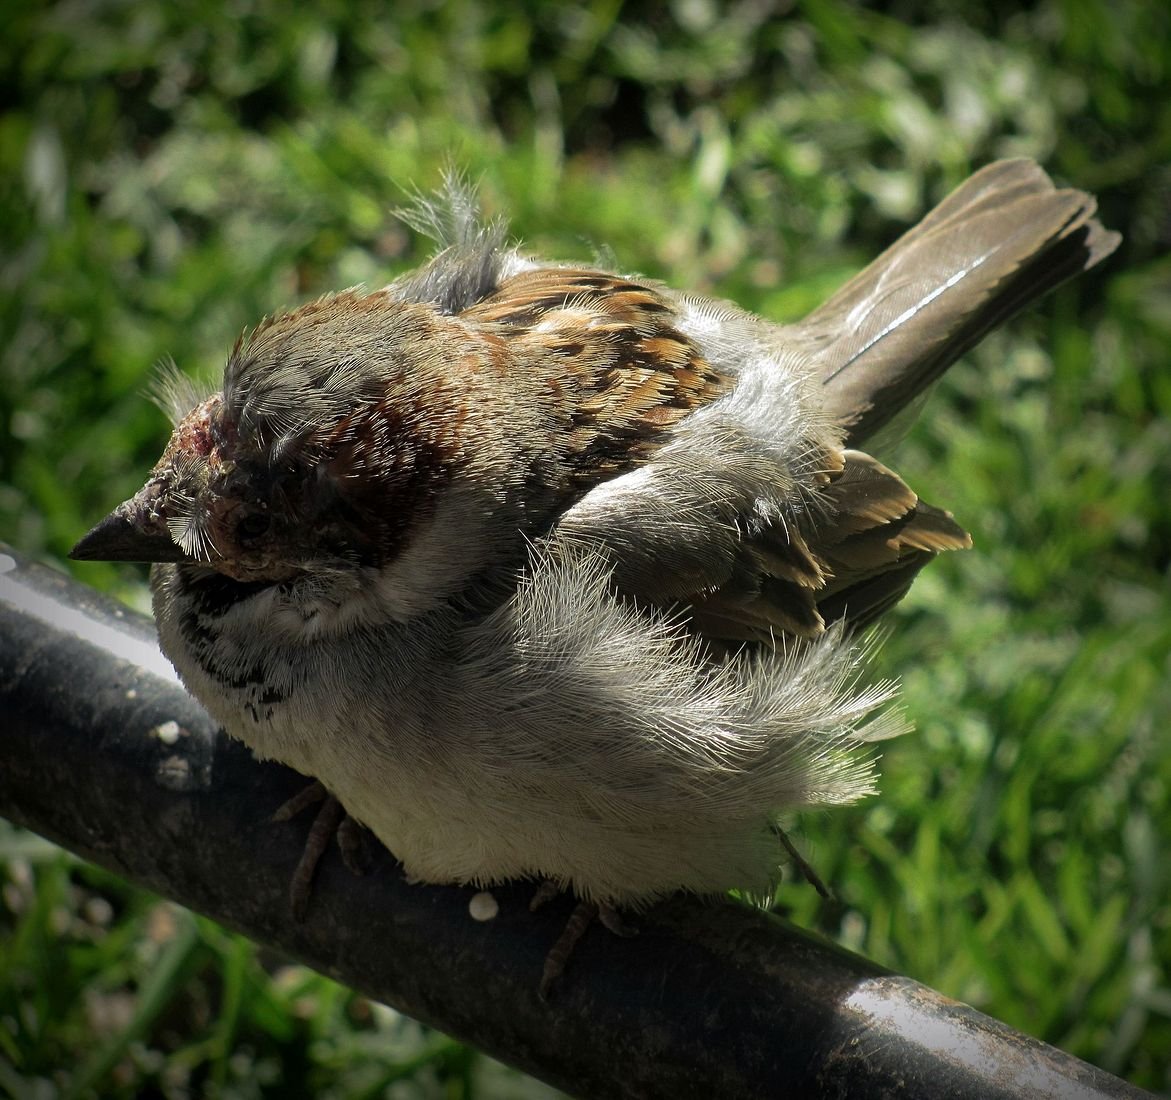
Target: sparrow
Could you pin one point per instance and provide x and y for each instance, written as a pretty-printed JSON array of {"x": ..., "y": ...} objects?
[{"x": 548, "y": 572}]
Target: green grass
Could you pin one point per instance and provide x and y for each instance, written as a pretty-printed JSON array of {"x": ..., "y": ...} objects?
[{"x": 170, "y": 173}]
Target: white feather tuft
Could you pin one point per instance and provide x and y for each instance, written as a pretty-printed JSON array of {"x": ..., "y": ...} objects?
[{"x": 175, "y": 392}]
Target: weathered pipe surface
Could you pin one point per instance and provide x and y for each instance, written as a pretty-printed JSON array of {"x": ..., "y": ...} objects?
[{"x": 103, "y": 752}]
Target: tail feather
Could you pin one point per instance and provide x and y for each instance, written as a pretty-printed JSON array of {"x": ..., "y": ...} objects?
[{"x": 1001, "y": 240}]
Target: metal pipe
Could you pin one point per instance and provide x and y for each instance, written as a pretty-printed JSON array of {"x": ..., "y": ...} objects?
[{"x": 103, "y": 752}]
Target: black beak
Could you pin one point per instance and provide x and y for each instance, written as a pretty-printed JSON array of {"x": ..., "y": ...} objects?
[{"x": 117, "y": 539}]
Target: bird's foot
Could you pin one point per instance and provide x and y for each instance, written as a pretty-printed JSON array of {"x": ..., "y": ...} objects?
[
  {"x": 331, "y": 820},
  {"x": 803, "y": 865},
  {"x": 583, "y": 915}
]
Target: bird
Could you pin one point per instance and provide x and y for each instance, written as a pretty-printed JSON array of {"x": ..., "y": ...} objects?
[{"x": 547, "y": 572}]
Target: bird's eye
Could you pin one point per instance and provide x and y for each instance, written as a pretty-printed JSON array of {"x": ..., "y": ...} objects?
[{"x": 252, "y": 525}]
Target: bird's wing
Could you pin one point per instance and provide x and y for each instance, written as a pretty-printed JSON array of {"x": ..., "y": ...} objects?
[
  {"x": 719, "y": 492},
  {"x": 616, "y": 372},
  {"x": 701, "y": 533}
]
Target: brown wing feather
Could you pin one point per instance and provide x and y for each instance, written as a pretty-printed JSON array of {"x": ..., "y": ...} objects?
[
  {"x": 853, "y": 558},
  {"x": 608, "y": 345}
]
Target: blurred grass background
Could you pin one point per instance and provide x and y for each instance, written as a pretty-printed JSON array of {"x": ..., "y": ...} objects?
[{"x": 171, "y": 172}]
